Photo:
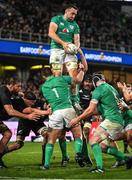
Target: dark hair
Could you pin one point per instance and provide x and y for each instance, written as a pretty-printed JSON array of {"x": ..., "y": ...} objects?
[
  {"x": 13, "y": 81},
  {"x": 69, "y": 6},
  {"x": 87, "y": 77},
  {"x": 29, "y": 95},
  {"x": 46, "y": 72}
]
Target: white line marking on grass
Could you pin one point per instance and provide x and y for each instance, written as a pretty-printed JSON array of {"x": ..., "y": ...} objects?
[{"x": 33, "y": 152}]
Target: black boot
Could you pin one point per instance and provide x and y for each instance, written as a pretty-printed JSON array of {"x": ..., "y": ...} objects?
[{"x": 2, "y": 165}]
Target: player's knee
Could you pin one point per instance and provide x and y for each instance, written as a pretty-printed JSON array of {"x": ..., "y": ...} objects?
[
  {"x": 95, "y": 139},
  {"x": 7, "y": 134},
  {"x": 43, "y": 131},
  {"x": 5, "y": 131},
  {"x": 19, "y": 144},
  {"x": 78, "y": 135},
  {"x": 62, "y": 137},
  {"x": 77, "y": 132},
  {"x": 86, "y": 130},
  {"x": 129, "y": 136},
  {"x": 104, "y": 147},
  {"x": 72, "y": 67}
]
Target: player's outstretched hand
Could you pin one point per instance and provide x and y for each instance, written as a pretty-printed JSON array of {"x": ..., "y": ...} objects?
[
  {"x": 49, "y": 111},
  {"x": 121, "y": 86},
  {"x": 73, "y": 122},
  {"x": 33, "y": 116},
  {"x": 81, "y": 66}
]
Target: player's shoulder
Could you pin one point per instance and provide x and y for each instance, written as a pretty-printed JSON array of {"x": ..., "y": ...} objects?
[
  {"x": 75, "y": 23},
  {"x": 3, "y": 89},
  {"x": 67, "y": 78},
  {"x": 57, "y": 17},
  {"x": 48, "y": 81}
]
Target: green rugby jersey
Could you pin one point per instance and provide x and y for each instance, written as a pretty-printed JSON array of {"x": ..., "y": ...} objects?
[
  {"x": 56, "y": 91},
  {"x": 107, "y": 98},
  {"x": 66, "y": 30},
  {"x": 127, "y": 116}
]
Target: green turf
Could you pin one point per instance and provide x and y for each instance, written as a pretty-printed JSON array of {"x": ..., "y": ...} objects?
[{"x": 24, "y": 163}]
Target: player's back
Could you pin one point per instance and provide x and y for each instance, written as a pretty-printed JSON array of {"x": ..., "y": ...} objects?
[
  {"x": 108, "y": 99},
  {"x": 56, "y": 91}
]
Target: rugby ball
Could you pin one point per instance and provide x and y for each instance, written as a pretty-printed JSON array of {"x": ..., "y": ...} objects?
[{"x": 72, "y": 49}]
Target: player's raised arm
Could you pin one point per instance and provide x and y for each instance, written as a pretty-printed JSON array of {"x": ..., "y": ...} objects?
[
  {"x": 52, "y": 34},
  {"x": 79, "y": 78},
  {"x": 77, "y": 40},
  {"x": 83, "y": 59}
]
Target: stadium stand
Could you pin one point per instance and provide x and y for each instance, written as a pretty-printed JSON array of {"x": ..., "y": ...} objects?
[{"x": 103, "y": 25}]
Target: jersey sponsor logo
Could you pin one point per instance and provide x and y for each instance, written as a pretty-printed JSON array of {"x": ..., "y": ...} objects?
[
  {"x": 71, "y": 26},
  {"x": 65, "y": 30},
  {"x": 61, "y": 23}
]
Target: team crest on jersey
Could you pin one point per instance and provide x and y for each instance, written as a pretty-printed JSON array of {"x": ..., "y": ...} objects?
[
  {"x": 65, "y": 30},
  {"x": 71, "y": 26},
  {"x": 62, "y": 23}
]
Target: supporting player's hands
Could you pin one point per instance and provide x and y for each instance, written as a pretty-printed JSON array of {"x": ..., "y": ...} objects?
[
  {"x": 73, "y": 122},
  {"x": 81, "y": 66},
  {"x": 33, "y": 116},
  {"x": 122, "y": 86},
  {"x": 80, "y": 51},
  {"x": 65, "y": 46},
  {"x": 49, "y": 111},
  {"x": 122, "y": 105}
]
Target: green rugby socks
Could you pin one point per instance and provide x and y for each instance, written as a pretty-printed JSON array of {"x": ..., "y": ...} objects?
[
  {"x": 78, "y": 145},
  {"x": 48, "y": 153},
  {"x": 97, "y": 151}
]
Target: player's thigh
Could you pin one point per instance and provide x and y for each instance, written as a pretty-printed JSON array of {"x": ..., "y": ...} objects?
[
  {"x": 56, "y": 120},
  {"x": 112, "y": 128},
  {"x": 39, "y": 128},
  {"x": 71, "y": 64},
  {"x": 62, "y": 135},
  {"x": 129, "y": 135},
  {"x": 53, "y": 134},
  {"x": 98, "y": 136},
  {"x": 4, "y": 129},
  {"x": 24, "y": 128},
  {"x": 86, "y": 128},
  {"x": 57, "y": 56},
  {"x": 68, "y": 115},
  {"x": 77, "y": 131},
  {"x": 120, "y": 136}
]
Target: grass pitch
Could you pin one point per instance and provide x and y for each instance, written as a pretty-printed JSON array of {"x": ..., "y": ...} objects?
[{"x": 24, "y": 164}]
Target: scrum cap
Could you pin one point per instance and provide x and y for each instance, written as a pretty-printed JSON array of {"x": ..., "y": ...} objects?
[{"x": 97, "y": 77}]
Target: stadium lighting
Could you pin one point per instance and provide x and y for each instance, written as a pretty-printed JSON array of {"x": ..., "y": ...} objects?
[
  {"x": 9, "y": 68},
  {"x": 36, "y": 67}
]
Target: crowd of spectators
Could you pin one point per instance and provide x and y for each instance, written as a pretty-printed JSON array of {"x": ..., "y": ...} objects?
[
  {"x": 32, "y": 83},
  {"x": 100, "y": 21}
]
